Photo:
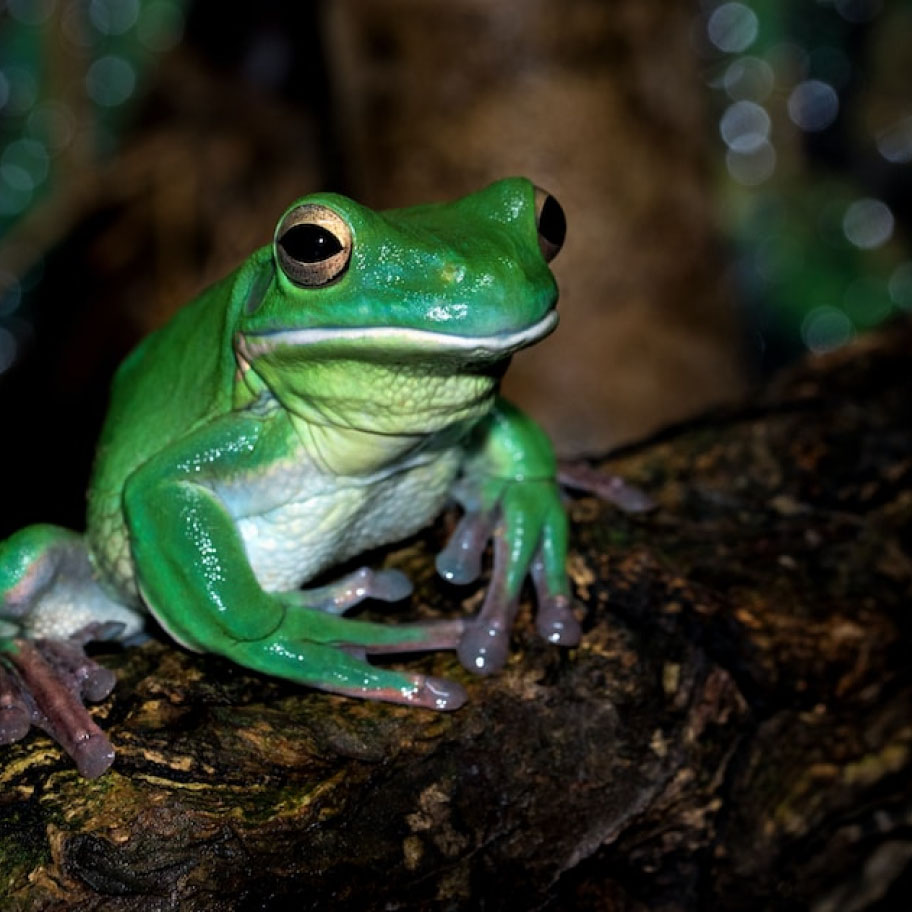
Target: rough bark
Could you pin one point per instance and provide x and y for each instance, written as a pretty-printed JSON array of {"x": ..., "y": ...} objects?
[{"x": 733, "y": 733}]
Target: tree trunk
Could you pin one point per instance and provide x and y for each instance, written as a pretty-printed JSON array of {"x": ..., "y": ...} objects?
[{"x": 733, "y": 732}]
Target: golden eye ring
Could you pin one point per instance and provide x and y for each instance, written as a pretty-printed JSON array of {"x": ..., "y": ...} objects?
[{"x": 313, "y": 245}]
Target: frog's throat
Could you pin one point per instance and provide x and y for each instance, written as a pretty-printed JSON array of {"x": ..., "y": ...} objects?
[{"x": 404, "y": 340}]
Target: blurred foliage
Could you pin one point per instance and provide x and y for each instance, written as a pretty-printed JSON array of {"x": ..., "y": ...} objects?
[
  {"x": 70, "y": 72},
  {"x": 814, "y": 111}
]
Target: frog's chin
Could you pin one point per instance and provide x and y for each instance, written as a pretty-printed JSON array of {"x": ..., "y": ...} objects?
[{"x": 398, "y": 341}]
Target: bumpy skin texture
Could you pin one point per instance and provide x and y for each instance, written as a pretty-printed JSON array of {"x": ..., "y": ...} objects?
[{"x": 327, "y": 397}]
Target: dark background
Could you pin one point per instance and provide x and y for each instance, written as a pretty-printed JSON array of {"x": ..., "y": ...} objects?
[{"x": 707, "y": 177}]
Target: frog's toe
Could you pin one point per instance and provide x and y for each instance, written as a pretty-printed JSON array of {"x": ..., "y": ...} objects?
[
  {"x": 460, "y": 561},
  {"x": 426, "y": 691},
  {"x": 612, "y": 488},
  {"x": 556, "y": 621},
  {"x": 485, "y": 645},
  {"x": 15, "y": 716},
  {"x": 344, "y": 593},
  {"x": 44, "y": 684},
  {"x": 100, "y": 632},
  {"x": 438, "y": 693},
  {"x": 93, "y": 754},
  {"x": 76, "y": 670},
  {"x": 386, "y": 585}
]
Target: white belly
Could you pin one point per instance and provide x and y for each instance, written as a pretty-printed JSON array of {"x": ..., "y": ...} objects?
[{"x": 296, "y": 523}]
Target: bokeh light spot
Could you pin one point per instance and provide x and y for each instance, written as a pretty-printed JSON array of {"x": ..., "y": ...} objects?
[
  {"x": 15, "y": 189},
  {"x": 732, "y": 27},
  {"x": 17, "y": 178},
  {"x": 113, "y": 17},
  {"x": 868, "y": 223},
  {"x": 744, "y": 126},
  {"x": 28, "y": 156},
  {"x": 53, "y": 124},
  {"x": 753, "y": 167},
  {"x": 813, "y": 105},
  {"x": 110, "y": 81},
  {"x": 748, "y": 78},
  {"x": 867, "y": 302},
  {"x": 826, "y": 328},
  {"x": 895, "y": 143},
  {"x": 30, "y": 12},
  {"x": 900, "y": 286},
  {"x": 22, "y": 90}
]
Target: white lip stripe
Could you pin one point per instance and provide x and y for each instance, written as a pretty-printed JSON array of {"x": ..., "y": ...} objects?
[{"x": 258, "y": 344}]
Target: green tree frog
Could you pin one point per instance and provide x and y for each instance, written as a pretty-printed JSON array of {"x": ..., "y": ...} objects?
[{"x": 329, "y": 396}]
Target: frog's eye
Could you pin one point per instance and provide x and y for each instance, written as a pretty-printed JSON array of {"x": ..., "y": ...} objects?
[
  {"x": 551, "y": 222},
  {"x": 313, "y": 245}
]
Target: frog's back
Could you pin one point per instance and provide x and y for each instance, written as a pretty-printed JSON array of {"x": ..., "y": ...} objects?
[{"x": 176, "y": 378}]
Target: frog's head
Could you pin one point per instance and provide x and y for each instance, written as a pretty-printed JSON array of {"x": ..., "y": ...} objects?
[{"x": 406, "y": 311}]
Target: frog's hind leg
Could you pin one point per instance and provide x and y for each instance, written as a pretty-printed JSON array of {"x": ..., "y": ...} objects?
[{"x": 50, "y": 606}]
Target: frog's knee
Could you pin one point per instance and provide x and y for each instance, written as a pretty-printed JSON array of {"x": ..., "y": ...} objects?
[
  {"x": 29, "y": 561},
  {"x": 47, "y": 586}
]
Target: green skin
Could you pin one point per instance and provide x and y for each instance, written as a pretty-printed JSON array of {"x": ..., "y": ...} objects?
[{"x": 270, "y": 431}]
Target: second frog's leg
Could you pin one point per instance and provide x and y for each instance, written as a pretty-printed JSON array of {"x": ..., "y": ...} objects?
[
  {"x": 50, "y": 607},
  {"x": 529, "y": 533},
  {"x": 510, "y": 496},
  {"x": 44, "y": 683}
]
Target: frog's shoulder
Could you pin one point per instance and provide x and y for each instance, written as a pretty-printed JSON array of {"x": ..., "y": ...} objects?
[{"x": 178, "y": 376}]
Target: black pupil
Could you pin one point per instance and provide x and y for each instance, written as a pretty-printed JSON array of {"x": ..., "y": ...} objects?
[
  {"x": 309, "y": 243},
  {"x": 552, "y": 224}
]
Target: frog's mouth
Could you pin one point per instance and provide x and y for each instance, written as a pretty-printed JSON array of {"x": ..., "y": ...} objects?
[{"x": 392, "y": 341}]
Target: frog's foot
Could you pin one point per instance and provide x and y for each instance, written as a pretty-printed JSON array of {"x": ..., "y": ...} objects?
[
  {"x": 44, "y": 683},
  {"x": 344, "y": 593},
  {"x": 612, "y": 488},
  {"x": 529, "y": 530},
  {"x": 555, "y": 620},
  {"x": 486, "y": 643},
  {"x": 460, "y": 560}
]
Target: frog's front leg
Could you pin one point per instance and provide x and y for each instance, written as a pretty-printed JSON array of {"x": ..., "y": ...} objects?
[
  {"x": 194, "y": 574},
  {"x": 509, "y": 493}
]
